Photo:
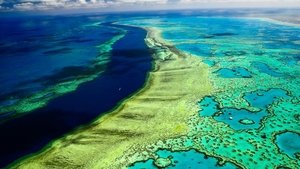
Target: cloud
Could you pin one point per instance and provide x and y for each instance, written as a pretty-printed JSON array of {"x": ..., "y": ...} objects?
[
  {"x": 29, "y": 5},
  {"x": 25, "y": 5}
]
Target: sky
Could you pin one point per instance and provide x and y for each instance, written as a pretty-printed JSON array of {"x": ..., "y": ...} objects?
[{"x": 128, "y": 5}]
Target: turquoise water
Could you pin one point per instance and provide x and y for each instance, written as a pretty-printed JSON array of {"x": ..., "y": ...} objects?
[
  {"x": 237, "y": 72},
  {"x": 209, "y": 63},
  {"x": 254, "y": 69},
  {"x": 234, "y": 118},
  {"x": 187, "y": 159},
  {"x": 264, "y": 68},
  {"x": 248, "y": 36},
  {"x": 289, "y": 143},
  {"x": 262, "y": 99},
  {"x": 208, "y": 106},
  {"x": 240, "y": 119},
  {"x": 230, "y": 37}
]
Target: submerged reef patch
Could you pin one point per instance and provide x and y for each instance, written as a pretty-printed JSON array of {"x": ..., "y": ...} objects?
[
  {"x": 216, "y": 35},
  {"x": 190, "y": 159},
  {"x": 262, "y": 99},
  {"x": 241, "y": 119},
  {"x": 237, "y": 72},
  {"x": 235, "y": 53},
  {"x": 264, "y": 68},
  {"x": 238, "y": 119},
  {"x": 58, "y": 51},
  {"x": 208, "y": 106},
  {"x": 210, "y": 63},
  {"x": 224, "y": 34},
  {"x": 289, "y": 143}
]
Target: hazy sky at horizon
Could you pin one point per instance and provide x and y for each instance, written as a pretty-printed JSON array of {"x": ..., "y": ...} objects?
[{"x": 113, "y": 5}]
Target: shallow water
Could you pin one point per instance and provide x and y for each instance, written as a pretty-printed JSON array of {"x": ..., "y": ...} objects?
[
  {"x": 187, "y": 159},
  {"x": 237, "y": 72},
  {"x": 289, "y": 143},
  {"x": 254, "y": 68}
]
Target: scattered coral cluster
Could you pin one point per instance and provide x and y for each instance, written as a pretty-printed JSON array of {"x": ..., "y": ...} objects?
[{"x": 252, "y": 117}]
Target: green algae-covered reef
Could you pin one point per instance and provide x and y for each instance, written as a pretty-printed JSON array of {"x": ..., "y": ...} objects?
[
  {"x": 158, "y": 112},
  {"x": 252, "y": 114}
]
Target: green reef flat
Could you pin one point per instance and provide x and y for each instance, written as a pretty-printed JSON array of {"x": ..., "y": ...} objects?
[{"x": 216, "y": 98}]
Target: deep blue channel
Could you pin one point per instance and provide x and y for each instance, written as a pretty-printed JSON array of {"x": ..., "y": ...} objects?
[{"x": 126, "y": 73}]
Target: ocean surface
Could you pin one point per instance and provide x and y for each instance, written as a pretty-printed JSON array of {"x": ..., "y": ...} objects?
[
  {"x": 33, "y": 48},
  {"x": 58, "y": 73}
]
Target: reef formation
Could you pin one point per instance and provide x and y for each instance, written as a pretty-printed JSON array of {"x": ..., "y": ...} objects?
[{"x": 213, "y": 108}]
